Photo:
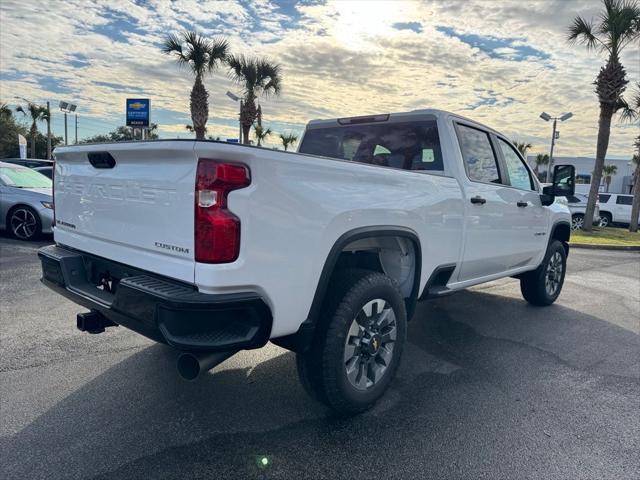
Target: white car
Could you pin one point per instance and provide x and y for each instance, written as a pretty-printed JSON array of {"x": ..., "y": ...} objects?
[
  {"x": 578, "y": 207},
  {"x": 615, "y": 208},
  {"x": 213, "y": 247}
]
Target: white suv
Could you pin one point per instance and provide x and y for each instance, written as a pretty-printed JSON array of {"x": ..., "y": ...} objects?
[{"x": 615, "y": 208}]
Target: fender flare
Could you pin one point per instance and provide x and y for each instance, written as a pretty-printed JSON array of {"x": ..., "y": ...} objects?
[
  {"x": 552, "y": 234},
  {"x": 301, "y": 340}
]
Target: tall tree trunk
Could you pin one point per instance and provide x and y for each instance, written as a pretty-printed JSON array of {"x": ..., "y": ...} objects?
[
  {"x": 246, "y": 130},
  {"x": 199, "y": 107},
  {"x": 34, "y": 134},
  {"x": 635, "y": 206},
  {"x": 248, "y": 116},
  {"x": 604, "y": 131}
]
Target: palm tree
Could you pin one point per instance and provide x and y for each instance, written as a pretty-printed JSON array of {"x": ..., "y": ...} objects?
[
  {"x": 288, "y": 139},
  {"x": 635, "y": 205},
  {"x": 261, "y": 133},
  {"x": 201, "y": 56},
  {"x": 617, "y": 27},
  {"x": 609, "y": 171},
  {"x": 256, "y": 76},
  {"x": 631, "y": 113},
  {"x": 541, "y": 159},
  {"x": 36, "y": 114},
  {"x": 522, "y": 148}
]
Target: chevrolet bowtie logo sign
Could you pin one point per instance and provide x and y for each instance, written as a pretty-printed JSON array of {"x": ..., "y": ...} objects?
[{"x": 138, "y": 112}]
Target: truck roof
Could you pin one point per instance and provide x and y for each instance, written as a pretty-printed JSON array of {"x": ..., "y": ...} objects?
[{"x": 398, "y": 116}]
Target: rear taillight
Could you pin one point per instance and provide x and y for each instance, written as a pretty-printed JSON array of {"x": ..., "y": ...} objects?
[{"x": 217, "y": 230}]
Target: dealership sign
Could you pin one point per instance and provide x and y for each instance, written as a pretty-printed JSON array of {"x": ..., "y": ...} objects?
[{"x": 138, "y": 112}]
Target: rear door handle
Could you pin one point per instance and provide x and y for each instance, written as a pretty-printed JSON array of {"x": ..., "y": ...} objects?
[
  {"x": 478, "y": 200},
  {"x": 523, "y": 204}
]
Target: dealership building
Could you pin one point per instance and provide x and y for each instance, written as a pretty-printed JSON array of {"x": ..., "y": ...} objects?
[{"x": 621, "y": 182}]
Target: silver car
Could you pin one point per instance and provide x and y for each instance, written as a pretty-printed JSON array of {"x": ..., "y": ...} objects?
[{"x": 26, "y": 202}]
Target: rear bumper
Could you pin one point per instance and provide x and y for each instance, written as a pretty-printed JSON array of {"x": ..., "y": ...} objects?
[{"x": 159, "y": 308}]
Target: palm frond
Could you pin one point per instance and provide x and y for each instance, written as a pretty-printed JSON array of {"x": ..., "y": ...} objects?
[
  {"x": 581, "y": 32},
  {"x": 218, "y": 50},
  {"x": 197, "y": 54},
  {"x": 269, "y": 76},
  {"x": 256, "y": 75},
  {"x": 192, "y": 49},
  {"x": 173, "y": 46},
  {"x": 619, "y": 23},
  {"x": 45, "y": 114},
  {"x": 631, "y": 111}
]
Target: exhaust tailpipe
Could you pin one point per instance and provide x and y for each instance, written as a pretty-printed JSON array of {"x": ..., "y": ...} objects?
[{"x": 192, "y": 364}]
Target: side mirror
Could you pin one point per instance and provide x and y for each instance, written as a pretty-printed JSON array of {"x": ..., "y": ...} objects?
[{"x": 564, "y": 184}]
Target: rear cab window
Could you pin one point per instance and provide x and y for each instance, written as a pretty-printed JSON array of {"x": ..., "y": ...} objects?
[{"x": 412, "y": 145}]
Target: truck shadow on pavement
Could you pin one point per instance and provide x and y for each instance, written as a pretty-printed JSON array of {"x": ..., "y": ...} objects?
[{"x": 485, "y": 381}]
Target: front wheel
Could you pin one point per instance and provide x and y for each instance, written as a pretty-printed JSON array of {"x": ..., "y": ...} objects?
[
  {"x": 25, "y": 223},
  {"x": 358, "y": 344},
  {"x": 543, "y": 285},
  {"x": 577, "y": 221}
]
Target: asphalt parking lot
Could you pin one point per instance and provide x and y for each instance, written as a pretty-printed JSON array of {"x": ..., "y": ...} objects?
[{"x": 489, "y": 388}]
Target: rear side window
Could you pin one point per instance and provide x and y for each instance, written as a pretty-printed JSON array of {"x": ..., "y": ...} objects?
[
  {"x": 624, "y": 200},
  {"x": 604, "y": 198},
  {"x": 408, "y": 146},
  {"x": 477, "y": 153}
]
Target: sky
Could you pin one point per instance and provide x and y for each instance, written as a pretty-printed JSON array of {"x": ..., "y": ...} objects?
[{"x": 498, "y": 62}]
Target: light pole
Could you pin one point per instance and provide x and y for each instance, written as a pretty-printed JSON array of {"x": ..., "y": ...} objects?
[
  {"x": 48, "y": 120},
  {"x": 67, "y": 107},
  {"x": 554, "y": 135},
  {"x": 236, "y": 98}
]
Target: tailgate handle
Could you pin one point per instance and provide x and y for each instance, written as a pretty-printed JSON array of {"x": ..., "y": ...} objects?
[{"x": 101, "y": 159}]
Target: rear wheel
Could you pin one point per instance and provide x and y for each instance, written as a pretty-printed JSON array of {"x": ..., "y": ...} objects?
[
  {"x": 577, "y": 221},
  {"x": 358, "y": 344},
  {"x": 543, "y": 285},
  {"x": 605, "y": 219},
  {"x": 24, "y": 223}
]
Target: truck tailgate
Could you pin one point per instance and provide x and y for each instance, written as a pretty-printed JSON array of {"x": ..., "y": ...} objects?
[{"x": 140, "y": 211}]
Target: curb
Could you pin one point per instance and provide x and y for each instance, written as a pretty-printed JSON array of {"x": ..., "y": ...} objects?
[{"x": 590, "y": 246}]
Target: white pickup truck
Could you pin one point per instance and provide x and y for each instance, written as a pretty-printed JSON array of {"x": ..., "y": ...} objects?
[{"x": 213, "y": 248}]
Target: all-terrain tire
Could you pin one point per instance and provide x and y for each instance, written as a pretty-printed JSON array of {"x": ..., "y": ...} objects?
[
  {"x": 323, "y": 369},
  {"x": 542, "y": 286}
]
